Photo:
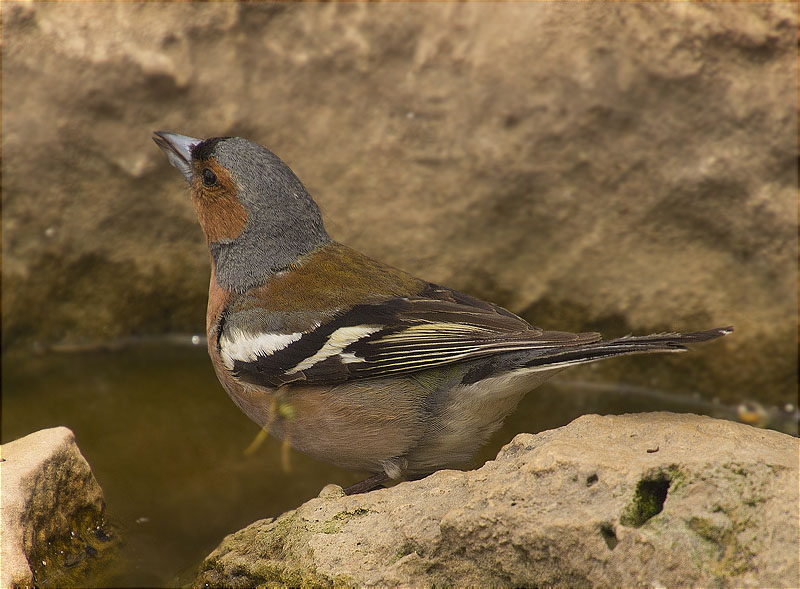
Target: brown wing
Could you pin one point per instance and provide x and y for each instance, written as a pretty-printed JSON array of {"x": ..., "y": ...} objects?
[{"x": 396, "y": 336}]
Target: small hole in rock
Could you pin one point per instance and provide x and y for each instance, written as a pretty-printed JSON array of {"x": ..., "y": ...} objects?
[
  {"x": 648, "y": 500},
  {"x": 591, "y": 479},
  {"x": 608, "y": 534}
]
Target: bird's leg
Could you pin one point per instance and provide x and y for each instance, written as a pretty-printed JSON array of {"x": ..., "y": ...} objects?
[
  {"x": 286, "y": 455},
  {"x": 262, "y": 435},
  {"x": 279, "y": 408},
  {"x": 285, "y": 411},
  {"x": 369, "y": 484}
]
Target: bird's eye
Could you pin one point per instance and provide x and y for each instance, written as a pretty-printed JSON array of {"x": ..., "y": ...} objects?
[{"x": 209, "y": 177}]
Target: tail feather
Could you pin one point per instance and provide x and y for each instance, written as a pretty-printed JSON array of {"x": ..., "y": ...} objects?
[{"x": 629, "y": 344}]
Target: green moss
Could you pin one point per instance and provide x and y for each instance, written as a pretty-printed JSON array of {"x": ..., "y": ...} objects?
[
  {"x": 649, "y": 497},
  {"x": 677, "y": 480},
  {"x": 343, "y": 581},
  {"x": 406, "y": 548},
  {"x": 272, "y": 574},
  {"x": 239, "y": 570},
  {"x": 273, "y": 554},
  {"x": 66, "y": 561},
  {"x": 212, "y": 563},
  {"x": 346, "y": 515},
  {"x": 732, "y": 558},
  {"x": 331, "y": 527},
  {"x": 719, "y": 532},
  {"x": 336, "y": 523},
  {"x": 705, "y": 528},
  {"x": 273, "y": 543},
  {"x": 269, "y": 572}
]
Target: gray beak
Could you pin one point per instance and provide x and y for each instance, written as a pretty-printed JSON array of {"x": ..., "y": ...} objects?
[{"x": 178, "y": 149}]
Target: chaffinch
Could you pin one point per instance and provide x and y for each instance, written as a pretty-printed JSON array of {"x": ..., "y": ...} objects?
[{"x": 347, "y": 359}]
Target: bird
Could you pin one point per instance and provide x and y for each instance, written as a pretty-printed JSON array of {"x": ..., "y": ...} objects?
[{"x": 344, "y": 358}]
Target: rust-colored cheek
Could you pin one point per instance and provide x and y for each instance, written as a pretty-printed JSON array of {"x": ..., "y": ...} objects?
[{"x": 220, "y": 213}]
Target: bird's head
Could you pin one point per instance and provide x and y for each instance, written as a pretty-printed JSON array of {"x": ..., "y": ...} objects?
[{"x": 256, "y": 215}]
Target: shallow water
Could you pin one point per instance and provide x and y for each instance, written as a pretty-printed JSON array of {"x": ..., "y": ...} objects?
[{"x": 166, "y": 444}]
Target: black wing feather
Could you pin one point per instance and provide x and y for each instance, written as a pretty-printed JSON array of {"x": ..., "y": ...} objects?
[{"x": 411, "y": 334}]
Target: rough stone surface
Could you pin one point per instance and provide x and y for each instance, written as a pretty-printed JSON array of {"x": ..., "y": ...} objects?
[
  {"x": 52, "y": 508},
  {"x": 648, "y": 500},
  {"x": 628, "y": 168}
]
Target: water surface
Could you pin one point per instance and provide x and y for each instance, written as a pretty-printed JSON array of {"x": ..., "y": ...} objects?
[{"x": 167, "y": 444}]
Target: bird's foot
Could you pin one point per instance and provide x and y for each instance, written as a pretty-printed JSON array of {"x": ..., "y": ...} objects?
[{"x": 369, "y": 484}]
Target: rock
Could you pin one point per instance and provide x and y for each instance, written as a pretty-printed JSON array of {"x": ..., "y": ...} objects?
[
  {"x": 626, "y": 168},
  {"x": 52, "y": 509},
  {"x": 646, "y": 500}
]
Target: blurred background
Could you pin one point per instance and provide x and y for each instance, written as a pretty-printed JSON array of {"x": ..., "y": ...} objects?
[{"x": 620, "y": 168}]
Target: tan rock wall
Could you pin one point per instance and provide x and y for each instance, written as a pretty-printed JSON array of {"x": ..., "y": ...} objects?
[{"x": 625, "y": 167}]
